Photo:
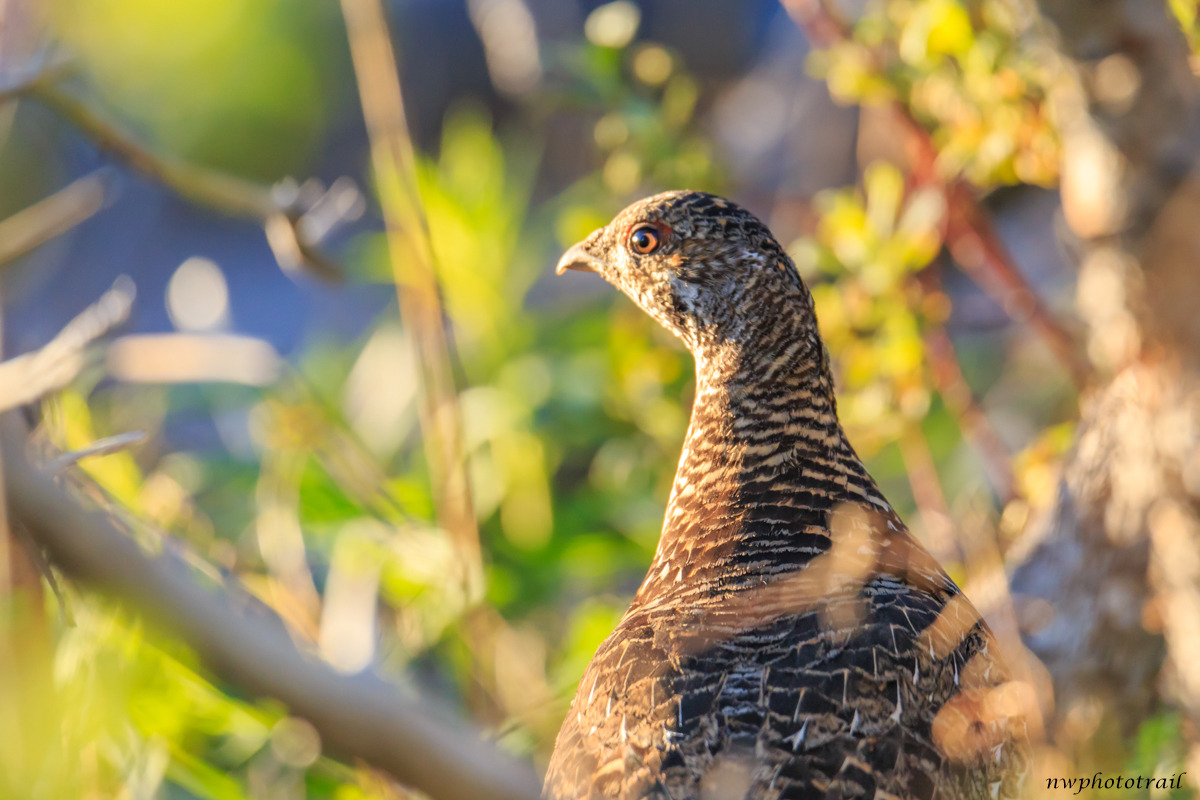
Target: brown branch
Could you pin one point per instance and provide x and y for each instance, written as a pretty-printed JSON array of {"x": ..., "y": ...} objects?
[
  {"x": 413, "y": 269},
  {"x": 823, "y": 26},
  {"x": 980, "y": 252},
  {"x": 227, "y": 194},
  {"x": 927, "y": 492},
  {"x": 960, "y": 401},
  {"x": 359, "y": 717},
  {"x": 970, "y": 237},
  {"x": 39, "y": 74}
]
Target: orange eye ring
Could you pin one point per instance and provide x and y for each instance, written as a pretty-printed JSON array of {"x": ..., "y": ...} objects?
[{"x": 644, "y": 240}]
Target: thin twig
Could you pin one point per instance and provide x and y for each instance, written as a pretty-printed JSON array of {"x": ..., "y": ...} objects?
[
  {"x": 225, "y": 193},
  {"x": 28, "y": 377},
  {"x": 348, "y": 460},
  {"x": 414, "y": 273},
  {"x": 31, "y": 227},
  {"x": 358, "y": 717},
  {"x": 823, "y": 26},
  {"x": 281, "y": 539},
  {"x": 44, "y": 69},
  {"x": 969, "y": 235},
  {"x": 33, "y": 551},
  {"x": 982, "y": 254},
  {"x": 101, "y": 447},
  {"x": 971, "y": 418},
  {"x": 928, "y": 494},
  {"x": 17, "y": 89}
]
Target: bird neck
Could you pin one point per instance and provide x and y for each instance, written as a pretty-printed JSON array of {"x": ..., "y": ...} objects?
[{"x": 764, "y": 462}]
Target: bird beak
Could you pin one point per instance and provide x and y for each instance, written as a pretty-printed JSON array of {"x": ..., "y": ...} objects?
[{"x": 578, "y": 258}]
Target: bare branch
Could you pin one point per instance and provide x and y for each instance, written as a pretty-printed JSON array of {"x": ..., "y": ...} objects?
[
  {"x": 359, "y": 717},
  {"x": 928, "y": 494},
  {"x": 194, "y": 358},
  {"x": 43, "y": 68},
  {"x": 225, "y": 193},
  {"x": 414, "y": 273},
  {"x": 27, "y": 377},
  {"x": 33, "y": 554},
  {"x": 970, "y": 237},
  {"x": 980, "y": 252},
  {"x": 27, "y": 229},
  {"x": 101, "y": 447},
  {"x": 971, "y": 418}
]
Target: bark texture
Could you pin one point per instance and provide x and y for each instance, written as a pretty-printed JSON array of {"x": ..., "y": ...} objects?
[{"x": 1114, "y": 582}]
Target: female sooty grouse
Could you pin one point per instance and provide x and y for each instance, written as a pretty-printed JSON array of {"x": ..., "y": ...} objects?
[{"x": 791, "y": 640}]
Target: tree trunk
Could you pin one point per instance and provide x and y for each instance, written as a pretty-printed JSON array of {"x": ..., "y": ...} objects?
[{"x": 1115, "y": 575}]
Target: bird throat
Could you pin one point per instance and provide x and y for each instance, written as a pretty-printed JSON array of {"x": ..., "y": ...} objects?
[{"x": 764, "y": 464}]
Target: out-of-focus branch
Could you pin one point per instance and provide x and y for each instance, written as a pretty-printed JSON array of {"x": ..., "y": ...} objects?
[
  {"x": 978, "y": 249},
  {"x": 30, "y": 227},
  {"x": 359, "y": 717},
  {"x": 961, "y": 402},
  {"x": 27, "y": 377},
  {"x": 928, "y": 494},
  {"x": 1115, "y": 560},
  {"x": 206, "y": 187},
  {"x": 101, "y": 447},
  {"x": 394, "y": 162},
  {"x": 969, "y": 235},
  {"x": 16, "y": 89},
  {"x": 193, "y": 358},
  {"x": 822, "y": 24},
  {"x": 225, "y": 193},
  {"x": 44, "y": 69}
]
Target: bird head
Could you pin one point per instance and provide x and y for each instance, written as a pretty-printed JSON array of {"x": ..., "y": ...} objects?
[{"x": 705, "y": 268}]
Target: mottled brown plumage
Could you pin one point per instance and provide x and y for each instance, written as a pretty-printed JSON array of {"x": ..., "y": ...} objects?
[{"x": 791, "y": 640}]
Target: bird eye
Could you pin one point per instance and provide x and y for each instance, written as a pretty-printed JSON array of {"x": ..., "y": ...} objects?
[{"x": 645, "y": 240}]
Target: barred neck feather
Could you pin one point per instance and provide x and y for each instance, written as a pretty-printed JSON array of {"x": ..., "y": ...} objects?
[{"x": 764, "y": 463}]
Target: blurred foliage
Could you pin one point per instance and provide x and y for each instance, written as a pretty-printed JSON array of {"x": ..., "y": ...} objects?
[
  {"x": 646, "y": 130},
  {"x": 573, "y": 408},
  {"x": 333, "y": 495},
  {"x": 873, "y": 313},
  {"x": 971, "y": 72},
  {"x": 244, "y": 85},
  {"x": 1186, "y": 12},
  {"x": 1158, "y": 749}
]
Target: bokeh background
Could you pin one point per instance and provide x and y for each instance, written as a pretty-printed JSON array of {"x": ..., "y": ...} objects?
[{"x": 300, "y": 432}]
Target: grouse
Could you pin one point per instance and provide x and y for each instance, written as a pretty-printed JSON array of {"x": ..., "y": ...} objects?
[{"x": 791, "y": 639}]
